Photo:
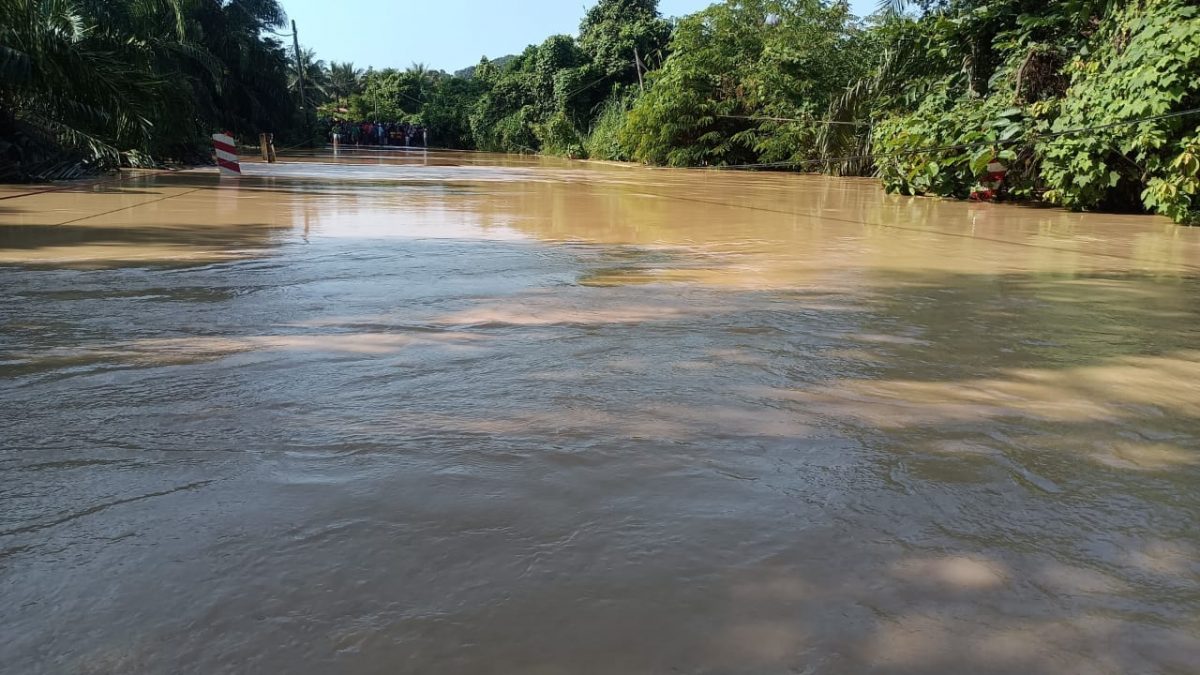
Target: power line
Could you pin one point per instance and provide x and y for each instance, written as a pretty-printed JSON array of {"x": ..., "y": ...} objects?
[
  {"x": 594, "y": 83},
  {"x": 791, "y": 119},
  {"x": 586, "y": 86},
  {"x": 936, "y": 232},
  {"x": 961, "y": 146}
]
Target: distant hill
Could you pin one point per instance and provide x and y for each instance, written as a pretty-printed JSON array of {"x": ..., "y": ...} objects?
[{"x": 469, "y": 72}]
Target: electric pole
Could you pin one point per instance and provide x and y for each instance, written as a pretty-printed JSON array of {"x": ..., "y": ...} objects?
[
  {"x": 637, "y": 62},
  {"x": 300, "y": 79}
]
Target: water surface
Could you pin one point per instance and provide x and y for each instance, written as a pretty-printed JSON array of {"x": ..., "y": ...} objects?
[{"x": 459, "y": 413}]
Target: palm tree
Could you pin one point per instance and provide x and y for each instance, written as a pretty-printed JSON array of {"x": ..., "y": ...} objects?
[
  {"x": 316, "y": 78},
  {"x": 251, "y": 92},
  {"x": 70, "y": 80},
  {"x": 423, "y": 79},
  {"x": 87, "y": 83},
  {"x": 344, "y": 80}
]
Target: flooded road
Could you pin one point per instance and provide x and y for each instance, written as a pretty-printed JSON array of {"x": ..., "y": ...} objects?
[{"x": 460, "y": 413}]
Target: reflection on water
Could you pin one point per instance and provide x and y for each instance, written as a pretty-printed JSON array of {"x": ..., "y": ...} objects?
[{"x": 458, "y": 413}]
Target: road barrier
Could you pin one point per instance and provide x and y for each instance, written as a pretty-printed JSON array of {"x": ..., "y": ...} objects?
[{"x": 227, "y": 159}]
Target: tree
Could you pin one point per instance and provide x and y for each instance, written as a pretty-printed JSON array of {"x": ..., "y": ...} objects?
[
  {"x": 614, "y": 33},
  {"x": 503, "y": 117},
  {"x": 1084, "y": 101},
  {"x": 249, "y": 91},
  {"x": 446, "y": 113},
  {"x": 63, "y": 84},
  {"x": 316, "y": 78},
  {"x": 88, "y": 84},
  {"x": 344, "y": 80},
  {"x": 733, "y": 66}
]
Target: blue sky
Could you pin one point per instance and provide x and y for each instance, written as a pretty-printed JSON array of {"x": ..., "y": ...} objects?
[{"x": 445, "y": 34}]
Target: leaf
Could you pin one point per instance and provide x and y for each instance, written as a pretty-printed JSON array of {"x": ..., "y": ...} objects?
[
  {"x": 1010, "y": 132},
  {"x": 980, "y": 161}
]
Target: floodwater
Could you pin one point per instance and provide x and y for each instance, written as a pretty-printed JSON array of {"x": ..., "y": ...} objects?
[{"x": 457, "y": 413}]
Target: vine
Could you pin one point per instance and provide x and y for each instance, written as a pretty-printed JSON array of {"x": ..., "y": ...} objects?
[{"x": 1143, "y": 62}]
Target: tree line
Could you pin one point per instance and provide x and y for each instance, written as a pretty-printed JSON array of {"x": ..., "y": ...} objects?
[
  {"x": 86, "y": 85},
  {"x": 1086, "y": 102}
]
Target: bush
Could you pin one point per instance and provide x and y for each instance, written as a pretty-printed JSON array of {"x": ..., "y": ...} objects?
[
  {"x": 1144, "y": 62},
  {"x": 558, "y": 136},
  {"x": 604, "y": 142}
]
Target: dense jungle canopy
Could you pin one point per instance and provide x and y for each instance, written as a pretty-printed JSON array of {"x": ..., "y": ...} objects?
[{"x": 1089, "y": 103}]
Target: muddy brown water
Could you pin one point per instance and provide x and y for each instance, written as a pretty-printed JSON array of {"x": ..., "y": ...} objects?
[{"x": 443, "y": 413}]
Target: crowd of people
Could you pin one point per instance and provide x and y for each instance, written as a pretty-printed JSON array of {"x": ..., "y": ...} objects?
[{"x": 403, "y": 134}]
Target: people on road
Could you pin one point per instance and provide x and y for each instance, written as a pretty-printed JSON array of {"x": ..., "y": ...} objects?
[{"x": 375, "y": 133}]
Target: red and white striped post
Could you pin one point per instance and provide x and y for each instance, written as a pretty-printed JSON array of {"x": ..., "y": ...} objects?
[
  {"x": 996, "y": 173},
  {"x": 227, "y": 159}
]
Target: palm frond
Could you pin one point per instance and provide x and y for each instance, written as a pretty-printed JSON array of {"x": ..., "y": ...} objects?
[{"x": 893, "y": 7}]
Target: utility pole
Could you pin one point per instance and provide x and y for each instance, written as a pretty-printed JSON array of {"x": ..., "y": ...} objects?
[
  {"x": 637, "y": 62},
  {"x": 300, "y": 78}
]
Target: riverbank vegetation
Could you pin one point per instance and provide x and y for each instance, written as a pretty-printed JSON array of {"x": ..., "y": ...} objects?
[
  {"x": 1086, "y": 102},
  {"x": 87, "y": 85}
]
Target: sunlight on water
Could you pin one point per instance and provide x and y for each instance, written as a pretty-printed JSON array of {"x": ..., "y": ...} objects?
[{"x": 464, "y": 413}]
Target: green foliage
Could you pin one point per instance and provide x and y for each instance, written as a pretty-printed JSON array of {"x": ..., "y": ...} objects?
[
  {"x": 740, "y": 59},
  {"x": 485, "y": 65},
  {"x": 541, "y": 101},
  {"x": 384, "y": 97},
  {"x": 88, "y": 84},
  {"x": 446, "y": 112},
  {"x": 513, "y": 133},
  {"x": 1054, "y": 104},
  {"x": 616, "y": 32},
  {"x": 925, "y": 100},
  {"x": 944, "y": 148},
  {"x": 502, "y": 118},
  {"x": 604, "y": 141},
  {"x": 344, "y": 80},
  {"x": 1143, "y": 62},
  {"x": 65, "y": 82},
  {"x": 558, "y": 136},
  {"x": 968, "y": 108},
  {"x": 317, "y": 83},
  {"x": 549, "y": 98}
]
